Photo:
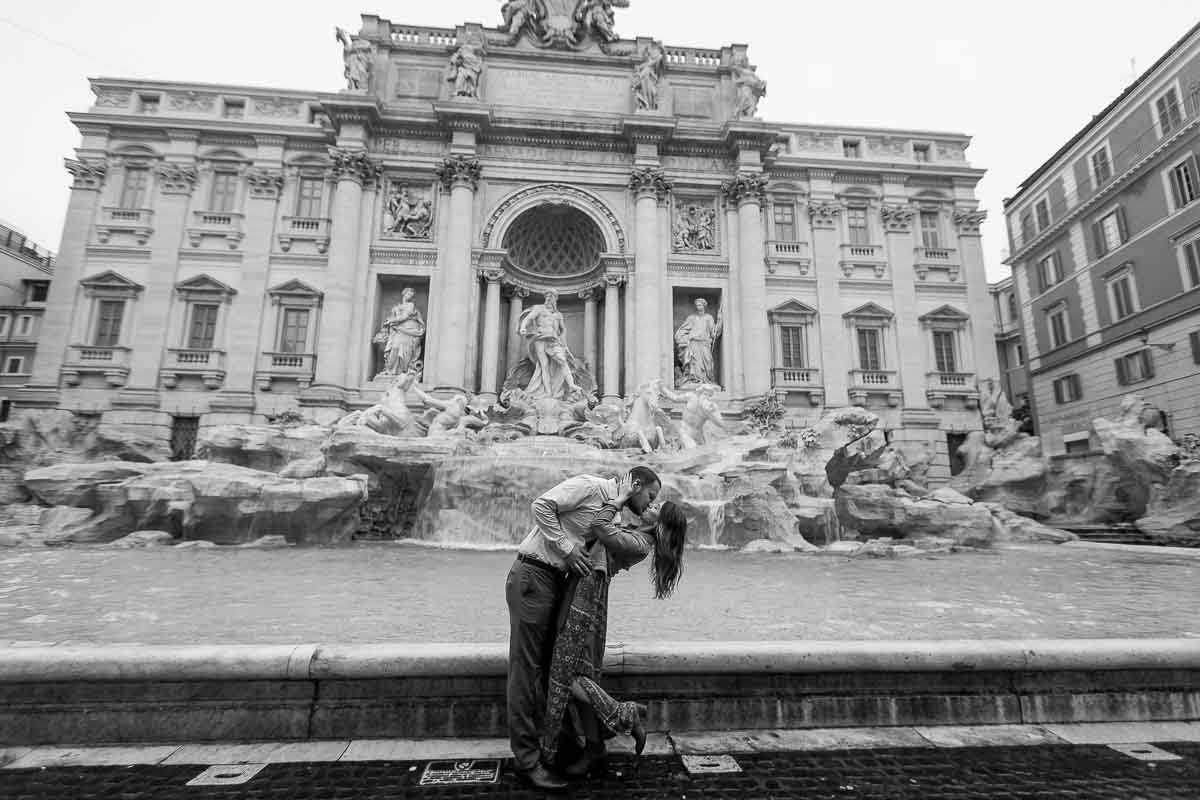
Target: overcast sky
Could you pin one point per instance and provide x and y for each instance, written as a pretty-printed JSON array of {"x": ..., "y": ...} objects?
[{"x": 1020, "y": 76}]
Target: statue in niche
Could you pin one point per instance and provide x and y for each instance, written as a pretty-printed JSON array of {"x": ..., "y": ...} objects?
[
  {"x": 521, "y": 14},
  {"x": 543, "y": 328},
  {"x": 358, "y": 55},
  {"x": 646, "y": 76},
  {"x": 401, "y": 336},
  {"x": 694, "y": 229},
  {"x": 464, "y": 69},
  {"x": 409, "y": 216},
  {"x": 700, "y": 410},
  {"x": 749, "y": 87},
  {"x": 391, "y": 415},
  {"x": 694, "y": 342},
  {"x": 598, "y": 16}
]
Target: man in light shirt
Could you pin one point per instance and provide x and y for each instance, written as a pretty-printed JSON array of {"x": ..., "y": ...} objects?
[{"x": 550, "y": 553}]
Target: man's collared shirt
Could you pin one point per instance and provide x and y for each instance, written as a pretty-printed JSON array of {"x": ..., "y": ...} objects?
[{"x": 563, "y": 516}]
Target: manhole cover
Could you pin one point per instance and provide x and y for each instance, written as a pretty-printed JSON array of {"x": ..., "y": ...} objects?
[
  {"x": 227, "y": 775},
  {"x": 701, "y": 765},
  {"x": 1145, "y": 752},
  {"x": 443, "y": 773}
]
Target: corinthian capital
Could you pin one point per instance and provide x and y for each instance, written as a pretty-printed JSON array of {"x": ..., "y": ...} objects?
[
  {"x": 649, "y": 181},
  {"x": 264, "y": 183},
  {"x": 354, "y": 165},
  {"x": 176, "y": 178},
  {"x": 968, "y": 221},
  {"x": 86, "y": 175},
  {"x": 745, "y": 187},
  {"x": 460, "y": 171},
  {"x": 897, "y": 218},
  {"x": 824, "y": 213}
]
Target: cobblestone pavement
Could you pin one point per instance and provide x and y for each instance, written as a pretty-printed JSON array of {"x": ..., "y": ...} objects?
[
  {"x": 1059, "y": 772},
  {"x": 395, "y": 593}
]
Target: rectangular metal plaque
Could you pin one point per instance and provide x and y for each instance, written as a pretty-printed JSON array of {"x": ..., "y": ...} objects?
[{"x": 446, "y": 773}]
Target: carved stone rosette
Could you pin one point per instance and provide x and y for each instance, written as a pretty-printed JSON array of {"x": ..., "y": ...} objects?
[
  {"x": 355, "y": 165},
  {"x": 824, "y": 213},
  {"x": 87, "y": 175},
  {"x": 897, "y": 218},
  {"x": 264, "y": 184},
  {"x": 650, "y": 181},
  {"x": 460, "y": 171},
  {"x": 176, "y": 178},
  {"x": 968, "y": 222},
  {"x": 745, "y": 187}
]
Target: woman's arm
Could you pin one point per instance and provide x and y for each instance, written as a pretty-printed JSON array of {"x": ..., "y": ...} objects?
[{"x": 616, "y": 540}]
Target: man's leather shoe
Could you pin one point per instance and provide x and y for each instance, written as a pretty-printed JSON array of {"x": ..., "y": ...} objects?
[{"x": 541, "y": 778}]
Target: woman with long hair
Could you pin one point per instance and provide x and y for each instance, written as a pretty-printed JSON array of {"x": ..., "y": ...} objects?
[{"x": 575, "y": 700}]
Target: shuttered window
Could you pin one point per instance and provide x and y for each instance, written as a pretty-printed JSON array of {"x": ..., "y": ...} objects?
[
  {"x": 1101, "y": 167},
  {"x": 869, "y": 356},
  {"x": 293, "y": 335},
  {"x": 1122, "y": 296},
  {"x": 1057, "y": 320},
  {"x": 1135, "y": 367},
  {"x": 1067, "y": 389},
  {"x": 931, "y": 233},
  {"x": 1184, "y": 188},
  {"x": 203, "y": 328},
  {"x": 1194, "y": 338},
  {"x": 856, "y": 220},
  {"x": 943, "y": 351},
  {"x": 1170, "y": 115},
  {"x": 1109, "y": 232},
  {"x": 308, "y": 197},
  {"x": 108, "y": 325},
  {"x": 785, "y": 222},
  {"x": 1191, "y": 259}
]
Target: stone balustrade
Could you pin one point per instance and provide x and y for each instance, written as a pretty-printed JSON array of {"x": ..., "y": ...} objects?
[
  {"x": 134, "y": 221},
  {"x": 111, "y": 362},
  {"x": 226, "y": 224},
  {"x": 305, "y": 229},
  {"x": 299, "y": 367},
  {"x": 207, "y": 364}
]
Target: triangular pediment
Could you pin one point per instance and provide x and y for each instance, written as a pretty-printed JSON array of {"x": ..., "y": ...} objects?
[
  {"x": 111, "y": 280},
  {"x": 873, "y": 310},
  {"x": 206, "y": 284},
  {"x": 945, "y": 313},
  {"x": 793, "y": 308},
  {"x": 295, "y": 288}
]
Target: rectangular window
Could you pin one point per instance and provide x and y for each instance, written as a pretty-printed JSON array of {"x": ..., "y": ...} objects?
[
  {"x": 1019, "y": 351},
  {"x": 856, "y": 222},
  {"x": 1026, "y": 227},
  {"x": 851, "y": 148},
  {"x": 1056, "y": 318},
  {"x": 1135, "y": 367},
  {"x": 235, "y": 109},
  {"x": 224, "y": 191},
  {"x": 308, "y": 197},
  {"x": 108, "y": 323},
  {"x": 1109, "y": 232},
  {"x": 4, "y": 324},
  {"x": 293, "y": 334},
  {"x": 24, "y": 326},
  {"x": 1191, "y": 260},
  {"x": 148, "y": 103},
  {"x": 792, "y": 339},
  {"x": 133, "y": 187},
  {"x": 785, "y": 222},
  {"x": 1101, "y": 167},
  {"x": 943, "y": 351},
  {"x": 15, "y": 365},
  {"x": 1067, "y": 389},
  {"x": 921, "y": 153},
  {"x": 869, "y": 355},
  {"x": 1042, "y": 209},
  {"x": 931, "y": 234},
  {"x": 1170, "y": 114},
  {"x": 1013, "y": 314},
  {"x": 1122, "y": 296},
  {"x": 38, "y": 292},
  {"x": 1049, "y": 271},
  {"x": 1194, "y": 338},
  {"x": 1183, "y": 183},
  {"x": 203, "y": 329}
]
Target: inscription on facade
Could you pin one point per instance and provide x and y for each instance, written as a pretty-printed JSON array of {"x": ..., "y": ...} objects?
[
  {"x": 516, "y": 152},
  {"x": 558, "y": 90},
  {"x": 421, "y": 83},
  {"x": 693, "y": 101}
]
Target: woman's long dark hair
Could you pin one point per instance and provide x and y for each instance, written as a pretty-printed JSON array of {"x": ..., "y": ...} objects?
[{"x": 668, "y": 550}]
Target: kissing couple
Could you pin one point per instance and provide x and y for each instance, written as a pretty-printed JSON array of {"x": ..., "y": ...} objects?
[{"x": 557, "y": 594}]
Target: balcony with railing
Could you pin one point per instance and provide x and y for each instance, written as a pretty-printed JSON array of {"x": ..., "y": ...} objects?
[
  {"x": 871, "y": 256},
  {"x": 804, "y": 380},
  {"x": 936, "y": 259},
  {"x": 940, "y": 385},
  {"x": 866, "y": 382},
  {"x": 305, "y": 229},
  {"x": 299, "y": 367},
  {"x": 1124, "y": 165},
  {"x": 784, "y": 252},
  {"x": 137, "y": 222},
  {"x": 227, "y": 225},
  {"x": 111, "y": 362},
  {"x": 206, "y": 364}
]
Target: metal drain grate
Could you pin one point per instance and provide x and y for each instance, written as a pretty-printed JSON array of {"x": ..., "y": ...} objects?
[
  {"x": 227, "y": 775},
  {"x": 1145, "y": 752},
  {"x": 452, "y": 773},
  {"x": 710, "y": 765}
]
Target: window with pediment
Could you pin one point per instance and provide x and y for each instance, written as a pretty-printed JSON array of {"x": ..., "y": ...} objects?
[
  {"x": 947, "y": 328},
  {"x": 295, "y": 326},
  {"x": 110, "y": 297},
  {"x": 868, "y": 324},
  {"x": 204, "y": 300}
]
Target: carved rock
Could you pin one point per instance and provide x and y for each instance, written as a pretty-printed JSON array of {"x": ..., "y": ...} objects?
[
  {"x": 875, "y": 510},
  {"x": 1173, "y": 515},
  {"x": 261, "y": 447},
  {"x": 1144, "y": 458}
]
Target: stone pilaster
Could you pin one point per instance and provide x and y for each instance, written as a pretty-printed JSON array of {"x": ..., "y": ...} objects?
[
  {"x": 351, "y": 169},
  {"x": 979, "y": 300},
  {"x": 460, "y": 177},
  {"x": 590, "y": 345},
  {"x": 824, "y": 215},
  {"x": 54, "y": 335},
  {"x": 910, "y": 359},
  {"x": 612, "y": 337},
  {"x": 489, "y": 387},
  {"x": 747, "y": 191},
  {"x": 648, "y": 185},
  {"x": 516, "y": 304},
  {"x": 731, "y": 340}
]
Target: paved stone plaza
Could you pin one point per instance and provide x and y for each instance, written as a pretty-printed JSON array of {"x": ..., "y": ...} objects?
[{"x": 391, "y": 593}]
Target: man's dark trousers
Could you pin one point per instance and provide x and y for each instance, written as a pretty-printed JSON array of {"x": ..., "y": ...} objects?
[{"x": 534, "y": 595}]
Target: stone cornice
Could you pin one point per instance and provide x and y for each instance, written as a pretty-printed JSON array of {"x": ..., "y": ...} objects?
[
  {"x": 649, "y": 128},
  {"x": 749, "y": 135},
  {"x": 463, "y": 116}
]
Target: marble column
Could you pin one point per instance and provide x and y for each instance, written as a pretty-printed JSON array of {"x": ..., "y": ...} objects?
[
  {"x": 612, "y": 337},
  {"x": 747, "y": 190},
  {"x": 351, "y": 169},
  {"x": 460, "y": 177},
  {"x": 648, "y": 184},
  {"x": 824, "y": 217},
  {"x": 731, "y": 338},
  {"x": 489, "y": 389},
  {"x": 516, "y": 304},
  {"x": 979, "y": 307},
  {"x": 590, "y": 345}
]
